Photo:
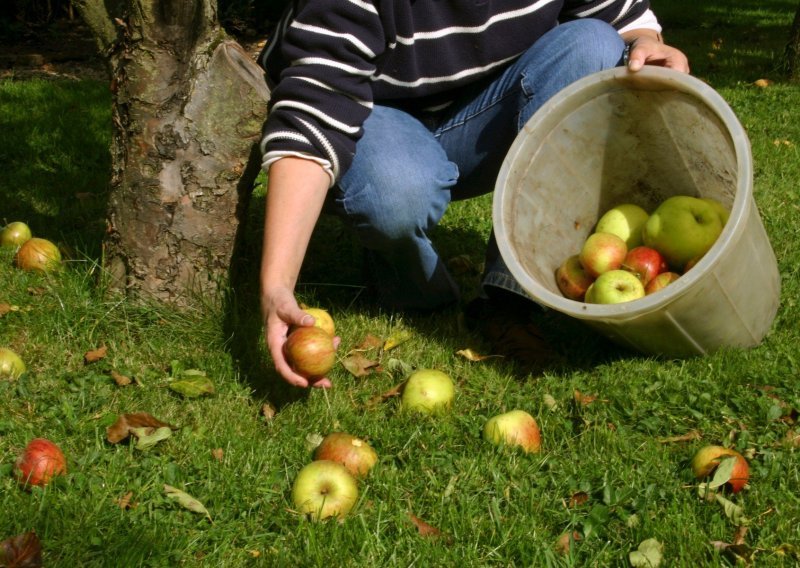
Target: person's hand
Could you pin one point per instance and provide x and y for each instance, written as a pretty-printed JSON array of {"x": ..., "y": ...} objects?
[
  {"x": 280, "y": 312},
  {"x": 646, "y": 50}
]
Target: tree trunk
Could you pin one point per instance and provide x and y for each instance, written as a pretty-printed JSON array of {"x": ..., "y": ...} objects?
[
  {"x": 793, "y": 50},
  {"x": 188, "y": 105}
]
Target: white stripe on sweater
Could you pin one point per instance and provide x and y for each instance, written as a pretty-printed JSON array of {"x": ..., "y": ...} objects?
[{"x": 353, "y": 40}]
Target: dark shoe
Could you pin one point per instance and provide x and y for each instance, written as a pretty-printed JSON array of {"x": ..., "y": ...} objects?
[{"x": 505, "y": 322}]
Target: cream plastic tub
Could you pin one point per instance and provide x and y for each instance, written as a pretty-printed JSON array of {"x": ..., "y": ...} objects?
[{"x": 617, "y": 137}]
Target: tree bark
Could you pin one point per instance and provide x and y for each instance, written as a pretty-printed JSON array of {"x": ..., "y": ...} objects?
[
  {"x": 188, "y": 105},
  {"x": 793, "y": 50}
]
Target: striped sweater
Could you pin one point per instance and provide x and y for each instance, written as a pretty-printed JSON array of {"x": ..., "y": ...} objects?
[{"x": 328, "y": 61}]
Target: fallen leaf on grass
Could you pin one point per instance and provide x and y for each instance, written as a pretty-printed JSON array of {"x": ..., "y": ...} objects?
[
  {"x": 147, "y": 437},
  {"x": 396, "y": 339},
  {"x": 369, "y": 342},
  {"x": 95, "y": 355},
  {"x": 463, "y": 264},
  {"x": 763, "y": 83},
  {"x": 358, "y": 365},
  {"x": 192, "y": 384},
  {"x": 218, "y": 454},
  {"x": 566, "y": 541},
  {"x": 120, "y": 379},
  {"x": 186, "y": 501},
  {"x": 268, "y": 411},
  {"x": 648, "y": 555},
  {"x": 734, "y": 512},
  {"x": 688, "y": 437},
  {"x": 578, "y": 499},
  {"x": 423, "y": 528},
  {"x": 125, "y": 423},
  {"x": 124, "y": 502},
  {"x": 21, "y": 551},
  {"x": 792, "y": 439},
  {"x": 6, "y": 308},
  {"x": 583, "y": 399},
  {"x": 738, "y": 553},
  {"x": 471, "y": 355},
  {"x": 391, "y": 393}
]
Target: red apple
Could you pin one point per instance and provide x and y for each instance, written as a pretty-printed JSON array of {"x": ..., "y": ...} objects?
[
  {"x": 708, "y": 458},
  {"x": 602, "y": 252},
  {"x": 572, "y": 279},
  {"x": 644, "y": 262},
  {"x": 310, "y": 352},
  {"x": 39, "y": 463},
  {"x": 38, "y": 255},
  {"x": 660, "y": 281},
  {"x": 353, "y": 453},
  {"x": 514, "y": 428}
]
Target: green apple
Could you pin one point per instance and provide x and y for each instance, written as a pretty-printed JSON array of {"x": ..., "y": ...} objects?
[
  {"x": 514, "y": 428},
  {"x": 589, "y": 296},
  {"x": 572, "y": 279},
  {"x": 11, "y": 365},
  {"x": 625, "y": 221},
  {"x": 721, "y": 210},
  {"x": 353, "y": 453},
  {"x": 616, "y": 286},
  {"x": 602, "y": 252},
  {"x": 322, "y": 319},
  {"x": 427, "y": 391},
  {"x": 682, "y": 228},
  {"x": 324, "y": 488},
  {"x": 15, "y": 234},
  {"x": 708, "y": 458}
]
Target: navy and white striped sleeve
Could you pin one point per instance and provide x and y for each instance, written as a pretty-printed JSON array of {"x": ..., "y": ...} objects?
[
  {"x": 624, "y": 15},
  {"x": 324, "y": 94}
]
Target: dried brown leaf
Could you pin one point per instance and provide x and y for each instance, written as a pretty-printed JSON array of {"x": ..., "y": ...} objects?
[
  {"x": 740, "y": 535},
  {"x": 124, "y": 502},
  {"x": 5, "y": 308},
  {"x": 566, "y": 541},
  {"x": 369, "y": 342},
  {"x": 688, "y": 437},
  {"x": 36, "y": 290},
  {"x": 792, "y": 439},
  {"x": 583, "y": 399},
  {"x": 268, "y": 411},
  {"x": 358, "y": 365},
  {"x": 762, "y": 83},
  {"x": 423, "y": 528},
  {"x": 120, "y": 379},
  {"x": 125, "y": 423},
  {"x": 391, "y": 393},
  {"x": 218, "y": 454},
  {"x": 577, "y": 499},
  {"x": 21, "y": 551},
  {"x": 95, "y": 355}
]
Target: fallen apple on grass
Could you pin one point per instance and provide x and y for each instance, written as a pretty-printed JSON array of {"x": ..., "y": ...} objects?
[
  {"x": 626, "y": 221},
  {"x": 324, "y": 488},
  {"x": 353, "y": 453},
  {"x": 614, "y": 287},
  {"x": 11, "y": 364},
  {"x": 572, "y": 279},
  {"x": 38, "y": 255},
  {"x": 602, "y": 252},
  {"x": 708, "y": 458},
  {"x": 310, "y": 352},
  {"x": 427, "y": 391},
  {"x": 514, "y": 428},
  {"x": 39, "y": 463},
  {"x": 15, "y": 234}
]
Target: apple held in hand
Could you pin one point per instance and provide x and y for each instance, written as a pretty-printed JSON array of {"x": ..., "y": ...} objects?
[
  {"x": 353, "y": 453},
  {"x": 572, "y": 279},
  {"x": 625, "y": 221},
  {"x": 38, "y": 255},
  {"x": 660, "y": 282},
  {"x": 427, "y": 391},
  {"x": 602, "y": 252},
  {"x": 310, "y": 352},
  {"x": 644, "y": 262},
  {"x": 11, "y": 364},
  {"x": 614, "y": 287},
  {"x": 15, "y": 234},
  {"x": 39, "y": 463},
  {"x": 682, "y": 228},
  {"x": 323, "y": 489},
  {"x": 514, "y": 428},
  {"x": 322, "y": 319},
  {"x": 708, "y": 458}
]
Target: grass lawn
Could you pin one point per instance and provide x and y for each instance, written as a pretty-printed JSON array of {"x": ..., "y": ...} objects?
[{"x": 619, "y": 428}]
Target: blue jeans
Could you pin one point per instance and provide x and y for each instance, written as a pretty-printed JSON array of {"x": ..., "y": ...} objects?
[{"x": 406, "y": 170}]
